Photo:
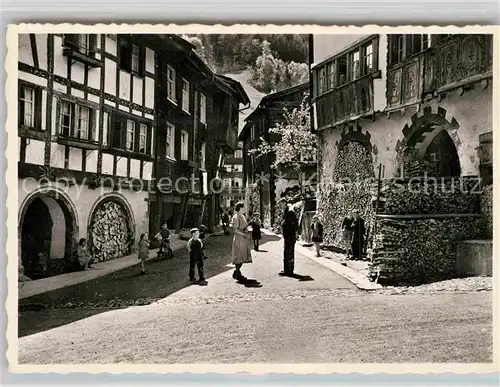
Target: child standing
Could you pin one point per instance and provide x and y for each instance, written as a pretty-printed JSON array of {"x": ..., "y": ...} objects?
[
  {"x": 203, "y": 231},
  {"x": 256, "y": 233},
  {"x": 195, "y": 248},
  {"x": 143, "y": 251}
]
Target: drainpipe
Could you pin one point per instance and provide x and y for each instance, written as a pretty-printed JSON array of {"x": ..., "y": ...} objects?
[{"x": 311, "y": 61}]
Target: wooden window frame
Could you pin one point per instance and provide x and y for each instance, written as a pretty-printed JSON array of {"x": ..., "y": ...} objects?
[
  {"x": 126, "y": 54},
  {"x": 170, "y": 144},
  {"x": 72, "y": 41},
  {"x": 73, "y": 131},
  {"x": 203, "y": 155},
  {"x": 184, "y": 146},
  {"x": 142, "y": 126},
  {"x": 171, "y": 84},
  {"x": 402, "y": 47},
  {"x": 118, "y": 138},
  {"x": 186, "y": 95},
  {"x": 203, "y": 108},
  {"x": 37, "y": 106}
]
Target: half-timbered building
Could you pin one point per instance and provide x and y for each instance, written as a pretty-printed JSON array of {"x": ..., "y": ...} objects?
[{"x": 86, "y": 130}]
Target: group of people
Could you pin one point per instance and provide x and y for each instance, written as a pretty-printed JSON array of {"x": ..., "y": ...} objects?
[
  {"x": 353, "y": 235},
  {"x": 245, "y": 231}
]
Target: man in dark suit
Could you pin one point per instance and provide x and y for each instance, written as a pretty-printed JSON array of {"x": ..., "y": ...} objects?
[
  {"x": 290, "y": 228},
  {"x": 358, "y": 238}
]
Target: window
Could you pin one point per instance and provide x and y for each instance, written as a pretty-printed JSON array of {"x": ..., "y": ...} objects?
[
  {"x": 65, "y": 120},
  {"x": 132, "y": 56},
  {"x": 322, "y": 80},
  {"x": 403, "y": 47},
  {"x": 238, "y": 154},
  {"x": 27, "y": 106},
  {"x": 171, "y": 84},
  {"x": 81, "y": 130},
  {"x": 227, "y": 182},
  {"x": 355, "y": 65},
  {"x": 143, "y": 136},
  {"x": 85, "y": 44},
  {"x": 203, "y": 108},
  {"x": 76, "y": 121},
  {"x": 185, "y": 95},
  {"x": 169, "y": 152},
  {"x": 130, "y": 142},
  {"x": 105, "y": 128},
  {"x": 368, "y": 59},
  {"x": 203, "y": 154},
  {"x": 135, "y": 58},
  {"x": 342, "y": 69},
  {"x": 333, "y": 75},
  {"x": 184, "y": 145},
  {"x": 252, "y": 133}
]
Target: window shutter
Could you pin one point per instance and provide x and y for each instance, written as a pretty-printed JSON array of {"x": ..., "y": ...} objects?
[
  {"x": 58, "y": 118},
  {"x": 149, "y": 140},
  {"x": 142, "y": 59},
  {"x": 93, "y": 44},
  {"x": 125, "y": 55},
  {"x": 38, "y": 108},
  {"x": 21, "y": 107},
  {"x": 70, "y": 40},
  {"x": 375, "y": 54},
  {"x": 93, "y": 132},
  {"x": 117, "y": 131}
]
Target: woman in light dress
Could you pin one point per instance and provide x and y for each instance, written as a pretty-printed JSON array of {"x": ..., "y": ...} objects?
[{"x": 241, "y": 250}]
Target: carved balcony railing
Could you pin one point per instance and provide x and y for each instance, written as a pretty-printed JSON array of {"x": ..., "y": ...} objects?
[
  {"x": 345, "y": 102},
  {"x": 449, "y": 64},
  {"x": 458, "y": 61},
  {"x": 404, "y": 83}
]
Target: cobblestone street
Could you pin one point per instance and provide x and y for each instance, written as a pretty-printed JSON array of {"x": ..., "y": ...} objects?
[{"x": 286, "y": 320}]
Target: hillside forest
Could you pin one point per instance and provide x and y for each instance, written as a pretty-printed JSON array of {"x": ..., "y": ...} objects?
[{"x": 272, "y": 62}]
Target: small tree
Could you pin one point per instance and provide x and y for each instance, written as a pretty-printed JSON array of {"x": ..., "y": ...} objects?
[{"x": 296, "y": 148}]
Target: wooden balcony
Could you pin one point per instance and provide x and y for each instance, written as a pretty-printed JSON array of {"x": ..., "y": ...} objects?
[
  {"x": 344, "y": 103},
  {"x": 451, "y": 63},
  {"x": 228, "y": 140}
]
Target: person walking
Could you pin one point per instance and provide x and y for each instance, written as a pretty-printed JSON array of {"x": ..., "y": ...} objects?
[
  {"x": 317, "y": 234},
  {"x": 256, "y": 232},
  {"x": 164, "y": 237},
  {"x": 358, "y": 236},
  {"x": 347, "y": 231},
  {"x": 290, "y": 228},
  {"x": 241, "y": 252},
  {"x": 143, "y": 252}
]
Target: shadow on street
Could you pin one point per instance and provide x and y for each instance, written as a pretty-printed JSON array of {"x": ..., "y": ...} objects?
[{"x": 123, "y": 288}]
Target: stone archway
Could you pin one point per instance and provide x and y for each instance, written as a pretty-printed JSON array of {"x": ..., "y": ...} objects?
[
  {"x": 111, "y": 227},
  {"x": 47, "y": 227},
  {"x": 430, "y": 140}
]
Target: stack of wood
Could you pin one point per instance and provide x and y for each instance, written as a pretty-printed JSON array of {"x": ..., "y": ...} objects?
[
  {"x": 353, "y": 162},
  {"x": 416, "y": 250},
  {"x": 487, "y": 209},
  {"x": 430, "y": 197},
  {"x": 110, "y": 232}
]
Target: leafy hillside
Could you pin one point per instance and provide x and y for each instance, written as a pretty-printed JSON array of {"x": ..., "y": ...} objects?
[{"x": 275, "y": 62}]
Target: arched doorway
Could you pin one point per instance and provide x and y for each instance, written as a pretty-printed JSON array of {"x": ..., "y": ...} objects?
[
  {"x": 443, "y": 155},
  {"x": 111, "y": 228},
  {"x": 47, "y": 226}
]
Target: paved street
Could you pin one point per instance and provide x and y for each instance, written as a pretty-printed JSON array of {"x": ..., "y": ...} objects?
[{"x": 286, "y": 320}]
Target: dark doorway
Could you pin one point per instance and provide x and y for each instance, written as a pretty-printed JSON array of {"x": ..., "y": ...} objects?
[
  {"x": 443, "y": 155},
  {"x": 36, "y": 236}
]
